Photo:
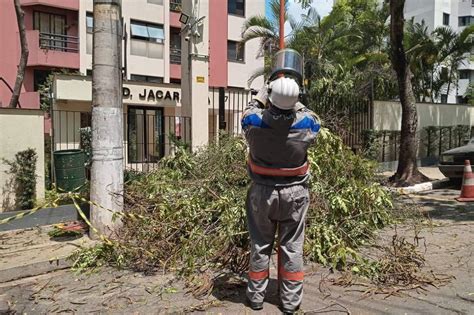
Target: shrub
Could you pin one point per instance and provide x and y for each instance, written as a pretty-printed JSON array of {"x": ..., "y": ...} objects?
[{"x": 23, "y": 169}]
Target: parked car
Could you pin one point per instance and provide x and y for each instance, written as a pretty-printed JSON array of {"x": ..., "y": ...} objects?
[{"x": 451, "y": 162}]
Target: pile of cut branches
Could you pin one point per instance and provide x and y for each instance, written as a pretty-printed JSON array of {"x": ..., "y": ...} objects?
[
  {"x": 399, "y": 268},
  {"x": 192, "y": 209}
]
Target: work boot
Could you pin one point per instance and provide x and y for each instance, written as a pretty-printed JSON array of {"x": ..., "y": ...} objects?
[
  {"x": 287, "y": 311},
  {"x": 256, "y": 306}
]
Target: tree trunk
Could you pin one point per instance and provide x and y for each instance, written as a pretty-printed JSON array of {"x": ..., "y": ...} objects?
[
  {"x": 107, "y": 117},
  {"x": 20, "y": 18},
  {"x": 407, "y": 171}
]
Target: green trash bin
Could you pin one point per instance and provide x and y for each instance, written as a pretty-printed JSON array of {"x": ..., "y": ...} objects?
[{"x": 69, "y": 169}]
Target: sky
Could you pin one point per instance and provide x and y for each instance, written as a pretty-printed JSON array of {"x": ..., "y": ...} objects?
[{"x": 322, "y": 6}]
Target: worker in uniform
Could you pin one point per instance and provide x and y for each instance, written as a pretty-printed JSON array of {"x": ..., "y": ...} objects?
[{"x": 279, "y": 130}]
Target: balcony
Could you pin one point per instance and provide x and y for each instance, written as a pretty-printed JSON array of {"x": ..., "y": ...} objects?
[
  {"x": 63, "y": 4},
  {"x": 52, "y": 50},
  {"x": 175, "y": 5}
]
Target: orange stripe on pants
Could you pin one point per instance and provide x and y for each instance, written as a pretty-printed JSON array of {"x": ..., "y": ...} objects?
[
  {"x": 293, "y": 276},
  {"x": 258, "y": 275}
]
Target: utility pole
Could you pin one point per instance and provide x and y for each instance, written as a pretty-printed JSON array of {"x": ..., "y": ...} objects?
[
  {"x": 282, "y": 24},
  {"x": 107, "y": 116},
  {"x": 195, "y": 70}
]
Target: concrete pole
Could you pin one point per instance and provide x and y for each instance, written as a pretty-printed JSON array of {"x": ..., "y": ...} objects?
[
  {"x": 282, "y": 24},
  {"x": 107, "y": 116},
  {"x": 195, "y": 72}
]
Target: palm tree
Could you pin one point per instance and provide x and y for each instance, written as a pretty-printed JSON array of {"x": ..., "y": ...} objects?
[
  {"x": 422, "y": 54},
  {"x": 453, "y": 50},
  {"x": 435, "y": 57},
  {"x": 267, "y": 30}
]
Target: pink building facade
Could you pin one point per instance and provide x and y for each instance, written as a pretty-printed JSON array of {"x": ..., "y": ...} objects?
[{"x": 59, "y": 35}]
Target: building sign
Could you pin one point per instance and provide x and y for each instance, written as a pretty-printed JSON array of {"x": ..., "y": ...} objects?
[
  {"x": 151, "y": 95},
  {"x": 200, "y": 79}
]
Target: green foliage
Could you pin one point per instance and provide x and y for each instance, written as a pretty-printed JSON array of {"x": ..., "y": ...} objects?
[
  {"x": 371, "y": 143},
  {"x": 90, "y": 259},
  {"x": 23, "y": 169},
  {"x": 193, "y": 209},
  {"x": 347, "y": 204}
]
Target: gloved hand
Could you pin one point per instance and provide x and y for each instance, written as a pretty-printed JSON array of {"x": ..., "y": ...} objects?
[
  {"x": 284, "y": 93},
  {"x": 262, "y": 95}
]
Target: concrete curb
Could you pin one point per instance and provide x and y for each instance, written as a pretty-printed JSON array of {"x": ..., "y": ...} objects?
[
  {"x": 34, "y": 269},
  {"x": 436, "y": 184}
]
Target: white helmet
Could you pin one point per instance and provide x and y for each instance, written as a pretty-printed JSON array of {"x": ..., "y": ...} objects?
[{"x": 284, "y": 93}]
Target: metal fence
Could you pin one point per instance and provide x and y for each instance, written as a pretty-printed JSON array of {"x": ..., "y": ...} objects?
[
  {"x": 347, "y": 115},
  {"x": 384, "y": 145},
  {"x": 148, "y": 134},
  {"x": 226, "y": 107}
]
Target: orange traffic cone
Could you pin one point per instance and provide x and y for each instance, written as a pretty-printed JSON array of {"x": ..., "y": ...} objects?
[{"x": 467, "y": 189}]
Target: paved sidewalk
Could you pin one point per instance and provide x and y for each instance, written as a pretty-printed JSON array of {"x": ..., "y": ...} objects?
[
  {"x": 432, "y": 172},
  {"x": 447, "y": 245}
]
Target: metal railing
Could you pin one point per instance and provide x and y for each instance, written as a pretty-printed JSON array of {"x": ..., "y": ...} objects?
[
  {"x": 147, "y": 139},
  {"x": 175, "y": 5},
  {"x": 175, "y": 56},
  {"x": 226, "y": 117},
  {"x": 59, "y": 42}
]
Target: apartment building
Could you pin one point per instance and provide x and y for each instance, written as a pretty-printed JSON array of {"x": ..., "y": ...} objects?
[
  {"x": 59, "y": 36},
  {"x": 458, "y": 14}
]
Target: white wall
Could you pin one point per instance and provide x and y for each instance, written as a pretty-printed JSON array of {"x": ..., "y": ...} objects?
[
  {"x": 421, "y": 10},
  {"x": 388, "y": 115},
  {"x": 240, "y": 72},
  {"x": 21, "y": 129}
]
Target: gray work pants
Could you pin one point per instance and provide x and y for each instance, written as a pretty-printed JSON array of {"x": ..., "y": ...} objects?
[{"x": 267, "y": 208}]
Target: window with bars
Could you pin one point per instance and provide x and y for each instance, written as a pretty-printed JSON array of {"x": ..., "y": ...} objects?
[{"x": 52, "y": 28}]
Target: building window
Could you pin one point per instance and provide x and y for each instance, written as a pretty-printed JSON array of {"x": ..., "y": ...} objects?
[
  {"x": 147, "y": 31},
  {"x": 89, "y": 22},
  {"x": 160, "y": 2},
  {"x": 146, "y": 78},
  {"x": 462, "y": 100},
  {"x": 40, "y": 77},
  {"x": 464, "y": 74},
  {"x": 145, "y": 128},
  {"x": 52, "y": 28},
  {"x": 465, "y": 20},
  {"x": 444, "y": 98},
  {"x": 175, "y": 5},
  {"x": 236, "y": 7},
  {"x": 175, "y": 46},
  {"x": 445, "y": 19},
  {"x": 175, "y": 81},
  {"x": 146, "y": 39},
  {"x": 89, "y": 32},
  {"x": 235, "y": 51}
]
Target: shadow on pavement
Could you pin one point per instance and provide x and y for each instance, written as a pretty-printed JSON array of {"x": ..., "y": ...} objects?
[{"x": 228, "y": 288}]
